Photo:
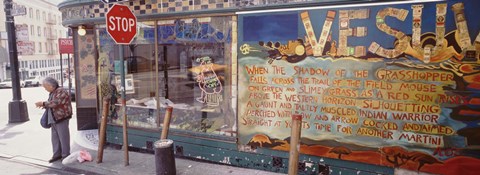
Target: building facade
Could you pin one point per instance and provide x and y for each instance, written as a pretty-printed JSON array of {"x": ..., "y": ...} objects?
[
  {"x": 37, "y": 40},
  {"x": 383, "y": 87}
]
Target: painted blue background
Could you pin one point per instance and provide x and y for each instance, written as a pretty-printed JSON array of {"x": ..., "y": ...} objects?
[{"x": 255, "y": 28}]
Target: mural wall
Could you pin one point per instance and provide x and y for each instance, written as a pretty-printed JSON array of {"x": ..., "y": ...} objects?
[
  {"x": 395, "y": 85},
  {"x": 85, "y": 66}
]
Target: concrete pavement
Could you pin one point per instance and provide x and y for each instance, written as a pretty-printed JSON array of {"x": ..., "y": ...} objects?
[{"x": 28, "y": 144}]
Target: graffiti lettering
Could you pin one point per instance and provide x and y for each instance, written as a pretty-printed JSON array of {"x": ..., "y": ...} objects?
[
  {"x": 256, "y": 70},
  {"x": 302, "y": 98},
  {"x": 449, "y": 152},
  {"x": 323, "y": 127},
  {"x": 455, "y": 99},
  {"x": 410, "y": 75},
  {"x": 339, "y": 101},
  {"x": 372, "y": 84},
  {"x": 263, "y": 104},
  {"x": 344, "y": 119},
  {"x": 419, "y": 87},
  {"x": 283, "y": 81},
  {"x": 379, "y": 115},
  {"x": 339, "y": 111},
  {"x": 372, "y": 132},
  {"x": 399, "y": 106},
  {"x": 428, "y": 140},
  {"x": 262, "y": 96},
  {"x": 342, "y": 92},
  {"x": 320, "y": 81},
  {"x": 252, "y": 122},
  {"x": 344, "y": 129},
  {"x": 310, "y": 71},
  {"x": 428, "y": 128},
  {"x": 380, "y": 124},
  {"x": 258, "y": 79},
  {"x": 312, "y": 89},
  {"x": 433, "y": 118},
  {"x": 260, "y": 113}
]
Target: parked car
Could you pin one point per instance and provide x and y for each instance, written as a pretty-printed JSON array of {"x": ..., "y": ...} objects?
[
  {"x": 32, "y": 82},
  {"x": 72, "y": 91},
  {"x": 8, "y": 84}
]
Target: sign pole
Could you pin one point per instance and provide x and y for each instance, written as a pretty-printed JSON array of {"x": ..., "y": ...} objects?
[
  {"x": 17, "y": 108},
  {"x": 122, "y": 27},
  {"x": 61, "y": 69},
  {"x": 69, "y": 79},
  {"x": 124, "y": 106}
]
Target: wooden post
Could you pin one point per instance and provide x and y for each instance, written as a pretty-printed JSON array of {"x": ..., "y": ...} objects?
[
  {"x": 125, "y": 133},
  {"x": 166, "y": 122},
  {"x": 103, "y": 129},
  {"x": 124, "y": 105},
  {"x": 294, "y": 144}
]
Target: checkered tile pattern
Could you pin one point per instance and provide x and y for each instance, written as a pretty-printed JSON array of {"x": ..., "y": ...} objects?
[{"x": 141, "y": 7}]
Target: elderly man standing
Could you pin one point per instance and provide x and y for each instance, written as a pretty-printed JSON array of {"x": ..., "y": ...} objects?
[{"x": 61, "y": 111}]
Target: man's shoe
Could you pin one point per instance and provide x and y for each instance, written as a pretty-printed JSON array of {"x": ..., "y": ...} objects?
[{"x": 53, "y": 159}]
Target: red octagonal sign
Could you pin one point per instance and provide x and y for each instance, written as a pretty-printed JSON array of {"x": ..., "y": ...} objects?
[{"x": 121, "y": 24}]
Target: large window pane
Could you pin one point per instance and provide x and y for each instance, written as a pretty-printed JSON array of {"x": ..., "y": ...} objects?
[
  {"x": 189, "y": 69},
  {"x": 194, "y": 64}
]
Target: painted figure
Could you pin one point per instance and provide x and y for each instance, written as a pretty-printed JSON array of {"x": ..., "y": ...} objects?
[{"x": 207, "y": 79}]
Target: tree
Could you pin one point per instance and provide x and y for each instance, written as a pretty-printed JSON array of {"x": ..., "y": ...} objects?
[
  {"x": 340, "y": 150},
  {"x": 422, "y": 159},
  {"x": 395, "y": 155}
]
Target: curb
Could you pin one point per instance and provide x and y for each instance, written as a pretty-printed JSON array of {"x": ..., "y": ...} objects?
[{"x": 53, "y": 166}]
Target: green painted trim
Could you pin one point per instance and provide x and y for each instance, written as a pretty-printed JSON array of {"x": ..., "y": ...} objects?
[{"x": 218, "y": 151}]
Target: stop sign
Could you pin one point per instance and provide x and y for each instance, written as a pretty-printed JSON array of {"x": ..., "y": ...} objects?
[{"x": 121, "y": 24}]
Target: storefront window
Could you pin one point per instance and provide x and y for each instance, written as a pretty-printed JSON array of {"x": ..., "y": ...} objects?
[
  {"x": 189, "y": 68},
  {"x": 196, "y": 74}
]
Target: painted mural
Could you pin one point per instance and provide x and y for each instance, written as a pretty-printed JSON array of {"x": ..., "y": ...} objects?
[
  {"x": 86, "y": 68},
  {"x": 391, "y": 85}
]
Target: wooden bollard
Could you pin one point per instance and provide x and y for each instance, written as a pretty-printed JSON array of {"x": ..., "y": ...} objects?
[
  {"x": 103, "y": 130},
  {"x": 294, "y": 144},
  {"x": 166, "y": 122}
]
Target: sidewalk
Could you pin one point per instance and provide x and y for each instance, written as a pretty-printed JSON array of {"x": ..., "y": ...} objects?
[
  {"x": 144, "y": 163},
  {"x": 29, "y": 142}
]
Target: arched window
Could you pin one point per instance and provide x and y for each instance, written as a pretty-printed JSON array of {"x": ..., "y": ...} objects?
[
  {"x": 30, "y": 12},
  {"x": 32, "y": 30}
]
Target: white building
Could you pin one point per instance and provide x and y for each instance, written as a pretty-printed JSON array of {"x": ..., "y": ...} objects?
[{"x": 37, "y": 40}]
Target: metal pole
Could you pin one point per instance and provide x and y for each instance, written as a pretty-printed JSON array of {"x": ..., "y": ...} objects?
[
  {"x": 61, "y": 69},
  {"x": 17, "y": 108},
  {"x": 124, "y": 106},
  {"x": 69, "y": 79}
]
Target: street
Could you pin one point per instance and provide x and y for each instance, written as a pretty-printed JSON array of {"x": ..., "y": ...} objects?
[{"x": 9, "y": 166}]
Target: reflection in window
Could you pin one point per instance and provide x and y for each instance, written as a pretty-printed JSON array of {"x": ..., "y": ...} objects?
[{"x": 189, "y": 70}]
